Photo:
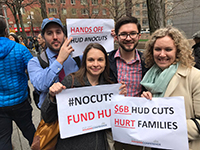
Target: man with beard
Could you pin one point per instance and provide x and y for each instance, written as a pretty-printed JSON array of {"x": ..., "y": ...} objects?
[
  {"x": 126, "y": 64},
  {"x": 58, "y": 52},
  {"x": 41, "y": 42}
]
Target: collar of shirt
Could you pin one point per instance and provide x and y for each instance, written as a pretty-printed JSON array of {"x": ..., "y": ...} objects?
[
  {"x": 50, "y": 53},
  {"x": 118, "y": 55}
]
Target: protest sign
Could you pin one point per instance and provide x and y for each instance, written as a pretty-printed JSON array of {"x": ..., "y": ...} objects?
[
  {"x": 159, "y": 123},
  {"x": 86, "y": 109},
  {"x": 85, "y": 31}
]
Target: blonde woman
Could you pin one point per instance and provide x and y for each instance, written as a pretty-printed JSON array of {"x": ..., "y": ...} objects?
[{"x": 171, "y": 73}]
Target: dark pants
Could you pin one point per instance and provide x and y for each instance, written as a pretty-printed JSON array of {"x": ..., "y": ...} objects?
[{"x": 22, "y": 115}]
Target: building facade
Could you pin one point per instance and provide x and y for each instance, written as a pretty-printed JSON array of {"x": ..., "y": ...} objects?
[
  {"x": 62, "y": 9},
  {"x": 186, "y": 16}
]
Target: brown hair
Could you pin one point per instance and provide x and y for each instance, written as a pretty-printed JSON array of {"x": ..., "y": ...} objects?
[{"x": 125, "y": 20}]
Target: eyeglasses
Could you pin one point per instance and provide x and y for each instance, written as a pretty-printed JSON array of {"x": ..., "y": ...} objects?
[{"x": 132, "y": 35}]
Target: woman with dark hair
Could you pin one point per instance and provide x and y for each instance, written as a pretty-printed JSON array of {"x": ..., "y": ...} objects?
[
  {"x": 93, "y": 71},
  {"x": 13, "y": 37}
]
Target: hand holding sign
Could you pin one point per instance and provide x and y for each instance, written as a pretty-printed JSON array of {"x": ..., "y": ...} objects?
[
  {"x": 56, "y": 88},
  {"x": 65, "y": 51},
  {"x": 147, "y": 95}
]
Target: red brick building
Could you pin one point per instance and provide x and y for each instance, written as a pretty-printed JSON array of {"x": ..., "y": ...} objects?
[{"x": 60, "y": 9}]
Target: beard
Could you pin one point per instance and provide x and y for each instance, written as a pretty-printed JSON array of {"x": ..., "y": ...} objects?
[
  {"x": 51, "y": 47},
  {"x": 128, "y": 49}
]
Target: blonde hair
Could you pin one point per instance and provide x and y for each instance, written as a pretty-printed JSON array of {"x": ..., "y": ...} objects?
[{"x": 184, "y": 51}]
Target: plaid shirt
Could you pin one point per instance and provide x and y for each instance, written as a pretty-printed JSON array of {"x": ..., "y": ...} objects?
[{"x": 130, "y": 73}]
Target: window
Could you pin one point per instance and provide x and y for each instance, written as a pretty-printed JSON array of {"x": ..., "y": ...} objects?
[
  {"x": 95, "y": 11},
  {"x": 137, "y": 12},
  {"x": 73, "y": 11},
  {"x": 169, "y": 6},
  {"x": 73, "y": 2},
  {"x": 103, "y": 12},
  {"x": 137, "y": 5},
  {"x": 62, "y": 1},
  {"x": 84, "y": 11},
  {"x": 52, "y": 10},
  {"x": 83, "y": 2},
  {"x": 169, "y": 22},
  {"x": 144, "y": 22},
  {"x": 94, "y": 2},
  {"x": 64, "y": 11},
  {"x": 138, "y": 20},
  {"x": 51, "y": 1},
  {"x": 144, "y": 5},
  {"x": 103, "y": 2},
  {"x": 144, "y": 13}
]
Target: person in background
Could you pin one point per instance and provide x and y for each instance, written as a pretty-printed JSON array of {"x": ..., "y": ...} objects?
[
  {"x": 14, "y": 105},
  {"x": 41, "y": 42},
  {"x": 93, "y": 71},
  {"x": 169, "y": 56},
  {"x": 13, "y": 37},
  {"x": 126, "y": 64},
  {"x": 21, "y": 41},
  {"x": 29, "y": 44},
  {"x": 58, "y": 55},
  {"x": 36, "y": 44},
  {"x": 196, "y": 49}
]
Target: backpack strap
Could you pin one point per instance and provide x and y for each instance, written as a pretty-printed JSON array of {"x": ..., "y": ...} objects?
[
  {"x": 43, "y": 59},
  {"x": 78, "y": 61},
  {"x": 44, "y": 62}
]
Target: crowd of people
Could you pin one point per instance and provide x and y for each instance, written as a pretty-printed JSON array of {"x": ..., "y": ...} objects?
[
  {"x": 35, "y": 44},
  {"x": 165, "y": 69}
]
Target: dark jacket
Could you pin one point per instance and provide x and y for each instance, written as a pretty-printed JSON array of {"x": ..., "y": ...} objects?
[
  {"x": 90, "y": 141},
  {"x": 196, "y": 53},
  {"x": 113, "y": 66}
]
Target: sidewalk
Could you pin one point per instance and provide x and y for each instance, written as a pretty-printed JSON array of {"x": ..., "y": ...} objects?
[{"x": 18, "y": 140}]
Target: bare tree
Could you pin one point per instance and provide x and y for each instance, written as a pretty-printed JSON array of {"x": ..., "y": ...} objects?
[
  {"x": 116, "y": 9},
  {"x": 128, "y": 5},
  {"x": 43, "y": 8},
  {"x": 91, "y": 8},
  {"x": 15, "y": 6},
  {"x": 1, "y": 10},
  {"x": 156, "y": 14}
]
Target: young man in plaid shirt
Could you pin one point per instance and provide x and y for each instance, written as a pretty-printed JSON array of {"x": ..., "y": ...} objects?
[{"x": 126, "y": 64}]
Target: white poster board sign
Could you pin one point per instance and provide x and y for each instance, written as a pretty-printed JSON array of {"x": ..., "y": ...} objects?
[
  {"x": 86, "y": 31},
  {"x": 158, "y": 123},
  {"x": 86, "y": 109}
]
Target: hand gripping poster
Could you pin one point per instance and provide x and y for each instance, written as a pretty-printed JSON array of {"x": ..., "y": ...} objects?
[{"x": 158, "y": 123}]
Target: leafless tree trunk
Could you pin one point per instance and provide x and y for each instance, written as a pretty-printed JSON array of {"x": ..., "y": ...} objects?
[
  {"x": 156, "y": 14},
  {"x": 128, "y": 5},
  {"x": 15, "y": 6},
  {"x": 43, "y": 9}
]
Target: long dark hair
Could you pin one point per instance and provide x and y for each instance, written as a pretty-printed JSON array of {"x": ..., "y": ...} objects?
[{"x": 81, "y": 73}]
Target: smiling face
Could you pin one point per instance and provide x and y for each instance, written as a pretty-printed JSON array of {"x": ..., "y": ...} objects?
[
  {"x": 128, "y": 44},
  {"x": 164, "y": 52},
  {"x": 95, "y": 63},
  {"x": 54, "y": 36}
]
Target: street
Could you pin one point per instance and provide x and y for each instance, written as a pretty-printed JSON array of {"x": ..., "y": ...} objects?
[{"x": 18, "y": 140}]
